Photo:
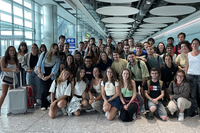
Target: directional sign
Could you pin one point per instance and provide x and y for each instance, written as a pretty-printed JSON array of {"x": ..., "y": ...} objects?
[{"x": 72, "y": 45}]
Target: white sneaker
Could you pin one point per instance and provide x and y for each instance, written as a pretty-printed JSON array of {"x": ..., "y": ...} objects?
[
  {"x": 181, "y": 117},
  {"x": 90, "y": 110},
  {"x": 43, "y": 108},
  {"x": 64, "y": 111},
  {"x": 134, "y": 116},
  {"x": 106, "y": 113},
  {"x": 142, "y": 108}
]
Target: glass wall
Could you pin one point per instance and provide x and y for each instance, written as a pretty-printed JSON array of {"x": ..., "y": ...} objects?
[{"x": 20, "y": 20}]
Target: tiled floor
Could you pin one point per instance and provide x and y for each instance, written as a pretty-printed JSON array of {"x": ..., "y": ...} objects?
[{"x": 37, "y": 121}]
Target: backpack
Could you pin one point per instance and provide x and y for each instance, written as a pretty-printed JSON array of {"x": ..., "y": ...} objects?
[{"x": 148, "y": 85}]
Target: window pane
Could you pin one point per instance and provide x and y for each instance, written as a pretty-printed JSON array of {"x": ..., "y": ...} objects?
[
  {"x": 3, "y": 47},
  {"x": 16, "y": 44},
  {"x": 28, "y": 24},
  {"x": 17, "y": 11},
  {"x": 6, "y": 32},
  {"x": 28, "y": 15},
  {"x": 28, "y": 34},
  {"x": 5, "y": 17},
  {"x": 27, "y": 3},
  {"x": 18, "y": 21},
  {"x": 18, "y": 1},
  {"x": 18, "y": 33},
  {"x": 5, "y": 6}
]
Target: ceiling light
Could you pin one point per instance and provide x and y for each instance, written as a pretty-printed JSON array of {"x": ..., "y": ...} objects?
[{"x": 148, "y": 2}]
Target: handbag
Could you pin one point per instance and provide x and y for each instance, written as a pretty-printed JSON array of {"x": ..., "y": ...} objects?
[{"x": 7, "y": 79}]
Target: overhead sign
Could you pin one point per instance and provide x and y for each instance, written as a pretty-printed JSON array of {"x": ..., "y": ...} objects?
[{"x": 72, "y": 44}]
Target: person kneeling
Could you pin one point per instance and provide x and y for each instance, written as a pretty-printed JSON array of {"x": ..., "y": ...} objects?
[
  {"x": 154, "y": 92},
  {"x": 60, "y": 91},
  {"x": 179, "y": 92}
]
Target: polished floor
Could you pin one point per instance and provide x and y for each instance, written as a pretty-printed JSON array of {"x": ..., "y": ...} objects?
[{"x": 37, "y": 121}]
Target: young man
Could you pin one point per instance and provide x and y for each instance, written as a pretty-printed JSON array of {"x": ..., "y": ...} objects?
[
  {"x": 153, "y": 60},
  {"x": 125, "y": 41},
  {"x": 92, "y": 40},
  {"x": 85, "y": 45},
  {"x": 169, "y": 50},
  {"x": 139, "y": 53},
  {"x": 88, "y": 66},
  {"x": 145, "y": 45},
  {"x": 119, "y": 64},
  {"x": 170, "y": 40},
  {"x": 124, "y": 55},
  {"x": 100, "y": 42},
  {"x": 138, "y": 72},
  {"x": 181, "y": 37},
  {"x": 79, "y": 49},
  {"x": 61, "y": 48},
  {"x": 109, "y": 43},
  {"x": 154, "y": 92},
  {"x": 131, "y": 43}
]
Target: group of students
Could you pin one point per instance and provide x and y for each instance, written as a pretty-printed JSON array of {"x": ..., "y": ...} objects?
[{"x": 109, "y": 79}]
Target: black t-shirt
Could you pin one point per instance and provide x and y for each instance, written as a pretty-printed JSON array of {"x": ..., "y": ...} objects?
[
  {"x": 88, "y": 71},
  {"x": 103, "y": 66},
  {"x": 33, "y": 61},
  {"x": 154, "y": 89},
  {"x": 62, "y": 57}
]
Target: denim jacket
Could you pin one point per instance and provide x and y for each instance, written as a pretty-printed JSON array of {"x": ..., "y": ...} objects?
[{"x": 55, "y": 68}]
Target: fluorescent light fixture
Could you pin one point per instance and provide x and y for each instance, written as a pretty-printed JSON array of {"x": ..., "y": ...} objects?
[
  {"x": 179, "y": 27},
  {"x": 148, "y": 2}
]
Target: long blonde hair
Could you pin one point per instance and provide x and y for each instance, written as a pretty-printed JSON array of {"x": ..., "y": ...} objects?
[
  {"x": 50, "y": 54},
  {"x": 121, "y": 83},
  {"x": 59, "y": 80}
]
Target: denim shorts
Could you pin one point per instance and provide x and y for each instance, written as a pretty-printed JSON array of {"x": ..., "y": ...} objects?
[{"x": 159, "y": 107}]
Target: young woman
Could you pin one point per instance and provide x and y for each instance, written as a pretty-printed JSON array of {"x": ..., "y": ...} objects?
[
  {"x": 48, "y": 68},
  {"x": 102, "y": 48},
  {"x": 160, "y": 48},
  {"x": 119, "y": 48},
  {"x": 96, "y": 100},
  {"x": 42, "y": 48},
  {"x": 9, "y": 65},
  {"x": 66, "y": 48},
  {"x": 60, "y": 91},
  {"x": 78, "y": 59},
  {"x": 192, "y": 71},
  {"x": 29, "y": 62},
  {"x": 180, "y": 60},
  {"x": 110, "y": 92},
  {"x": 69, "y": 64},
  {"x": 179, "y": 92},
  {"x": 109, "y": 52},
  {"x": 128, "y": 97},
  {"x": 94, "y": 53},
  {"x": 79, "y": 88},
  {"x": 22, "y": 50},
  {"x": 168, "y": 72}
]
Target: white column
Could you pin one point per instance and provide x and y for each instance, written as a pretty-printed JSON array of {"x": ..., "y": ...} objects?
[{"x": 50, "y": 30}]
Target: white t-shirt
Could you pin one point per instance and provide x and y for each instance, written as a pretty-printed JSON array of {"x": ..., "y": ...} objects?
[
  {"x": 110, "y": 88},
  {"x": 79, "y": 88},
  {"x": 61, "y": 90}
]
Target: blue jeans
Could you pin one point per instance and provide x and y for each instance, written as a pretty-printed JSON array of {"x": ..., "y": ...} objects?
[
  {"x": 159, "y": 107},
  {"x": 33, "y": 79}
]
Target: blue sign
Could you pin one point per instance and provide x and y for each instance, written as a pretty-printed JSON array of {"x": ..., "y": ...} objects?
[{"x": 72, "y": 44}]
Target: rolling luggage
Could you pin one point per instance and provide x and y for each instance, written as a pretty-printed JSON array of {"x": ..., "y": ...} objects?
[
  {"x": 30, "y": 95},
  {"x": 17, "y": 98}
]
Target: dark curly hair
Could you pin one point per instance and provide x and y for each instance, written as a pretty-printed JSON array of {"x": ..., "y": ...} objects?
[
  {"x": 23, "y": 44},
  {"x": 7, "y": 56}
]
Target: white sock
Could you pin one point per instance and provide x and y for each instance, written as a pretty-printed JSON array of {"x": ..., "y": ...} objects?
[{"x": 181, "y": 113}]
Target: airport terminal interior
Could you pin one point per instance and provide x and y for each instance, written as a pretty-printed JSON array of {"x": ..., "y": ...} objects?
[{"x": 33, "y": 23}]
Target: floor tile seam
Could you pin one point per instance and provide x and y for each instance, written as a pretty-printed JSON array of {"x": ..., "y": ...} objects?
[
  {"x": 35, "y": 122},
  {"x": 159, "y": 126},
  {"x": 191, "y": 127},
  {"x": 63, "y": 126}
]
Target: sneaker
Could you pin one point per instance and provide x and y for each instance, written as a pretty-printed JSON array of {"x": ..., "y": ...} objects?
[
  {"x": 142, "y": 108},
  {"x": 106, "y": 113},
  {"x": 90, "y": 110},
  {"x": 48, "y": 108},
  {"x": 134, "y": 116},
  {"x": 149, "y": 115},
  {"x": 43, "y": 108},
  {"x": 64, "y": 111},
  {"x": 194, "y": 114},
  {"x": 181, "y": 117}
]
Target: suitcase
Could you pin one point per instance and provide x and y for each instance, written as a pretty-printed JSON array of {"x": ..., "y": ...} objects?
[
  {"x": 17, "y": 99},
  {"x": 30, "y": 95}
]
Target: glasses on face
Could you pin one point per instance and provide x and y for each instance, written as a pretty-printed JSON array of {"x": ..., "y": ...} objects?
[
  {"x": 87, "y": 61},
  {"x": 181, "y": 76}
]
